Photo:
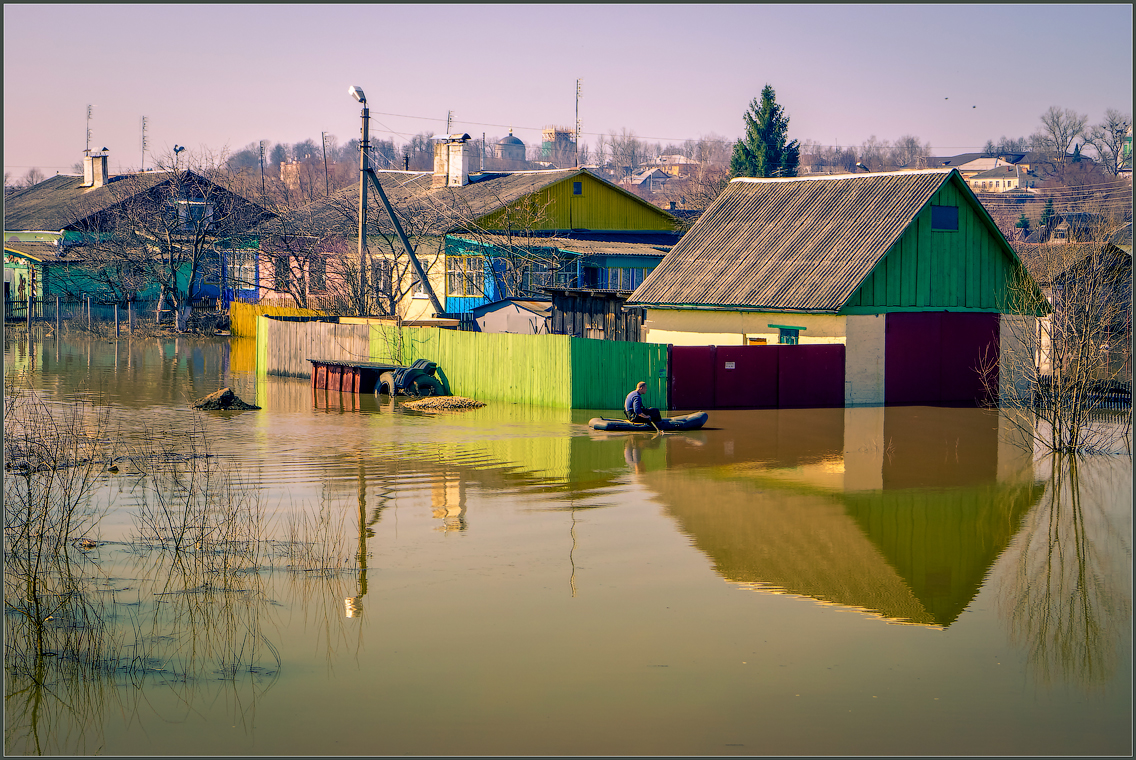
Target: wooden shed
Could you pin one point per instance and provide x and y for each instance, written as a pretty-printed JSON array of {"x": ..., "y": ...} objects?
[{"x": 905, "y": 270}]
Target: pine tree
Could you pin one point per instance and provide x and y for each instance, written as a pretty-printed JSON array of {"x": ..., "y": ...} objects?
[
  {"x": 1023, "y": 224},
  {"x": 763, "y": 151},
  {"x": 1047, "y": 213}
]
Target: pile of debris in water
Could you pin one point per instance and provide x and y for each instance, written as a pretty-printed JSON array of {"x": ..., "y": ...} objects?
[
  {"x": 443, "y": 403},
  {"x": 223, "y": 399}
]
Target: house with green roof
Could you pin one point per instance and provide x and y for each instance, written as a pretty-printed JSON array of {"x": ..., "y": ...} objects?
[{"x": 905, "y": 270}]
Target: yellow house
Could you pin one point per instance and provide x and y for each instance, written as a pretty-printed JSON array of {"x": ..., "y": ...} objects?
[{"x": 521, "y": 206}]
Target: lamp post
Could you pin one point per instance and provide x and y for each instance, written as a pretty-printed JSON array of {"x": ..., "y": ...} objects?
[{"x": 357, "y": 93}]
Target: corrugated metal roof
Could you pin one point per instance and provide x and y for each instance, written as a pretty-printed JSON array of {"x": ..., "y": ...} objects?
[
  {"x": 61, "y": 201},
  {"x": 799, "y": 244},
  {"x": 426, "y": 210},
  {"x": 573, "y": 245}
]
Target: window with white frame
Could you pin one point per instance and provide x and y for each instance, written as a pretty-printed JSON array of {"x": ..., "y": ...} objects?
[{"x": 465, "y": 275}]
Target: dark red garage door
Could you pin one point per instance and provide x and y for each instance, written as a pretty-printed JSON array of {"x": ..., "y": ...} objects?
[{"x": 933, "y": 357}]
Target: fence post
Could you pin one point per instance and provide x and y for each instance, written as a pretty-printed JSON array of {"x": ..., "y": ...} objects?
[
  {"x": 58, "y": 318},
  {"x": 116, "y": 324},
  {"x": 29, "y": 320},
  {"x": 130, "y": 315}
]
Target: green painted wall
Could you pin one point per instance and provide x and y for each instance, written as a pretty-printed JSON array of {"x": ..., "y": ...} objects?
[
  {"x": 964, "y": 270},
  {"x": 543, "y": 370},
  {"x": 605, "y": 371},
  {"x": 599, "y": 207}
]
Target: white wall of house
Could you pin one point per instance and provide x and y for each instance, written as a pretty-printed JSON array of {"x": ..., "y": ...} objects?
[
  {"x": 693, "y": 327},
  {"x": 864, "y": 359},
  {"x": 1017, "y": 335}
]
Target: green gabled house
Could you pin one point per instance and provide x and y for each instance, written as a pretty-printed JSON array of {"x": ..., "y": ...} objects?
[{"x": 905, "y": 269}]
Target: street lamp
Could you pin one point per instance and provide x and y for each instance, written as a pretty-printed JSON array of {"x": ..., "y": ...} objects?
[{"x": 357, "y": 92}]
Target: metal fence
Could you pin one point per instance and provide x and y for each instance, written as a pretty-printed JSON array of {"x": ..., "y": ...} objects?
[
  {"x": 89, "y": 311},
  {"x": 1101, "y": 394}
]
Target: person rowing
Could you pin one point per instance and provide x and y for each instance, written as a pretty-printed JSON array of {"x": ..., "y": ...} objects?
[{"x": 635, "y": 410}]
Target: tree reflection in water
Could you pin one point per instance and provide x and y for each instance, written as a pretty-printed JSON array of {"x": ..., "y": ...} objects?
[{"x": 1069, "y": 601}]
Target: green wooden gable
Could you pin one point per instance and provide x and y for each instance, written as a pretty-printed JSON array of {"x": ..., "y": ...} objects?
[{"x": 968, "y": 269}]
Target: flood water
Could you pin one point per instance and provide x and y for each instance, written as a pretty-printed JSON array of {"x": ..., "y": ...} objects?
[{"x": 866, "y": 581}]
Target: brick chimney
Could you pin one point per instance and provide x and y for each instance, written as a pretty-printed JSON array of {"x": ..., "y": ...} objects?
[
  {"x": 451, "y": 161},
  {"x": 95, "y": 172}
]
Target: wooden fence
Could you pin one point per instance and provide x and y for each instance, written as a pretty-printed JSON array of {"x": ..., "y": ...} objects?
[
  {"x": 285, "y": 344},
  {"x": 242, "y": 316},
  {"x": 542, "y": 370}
]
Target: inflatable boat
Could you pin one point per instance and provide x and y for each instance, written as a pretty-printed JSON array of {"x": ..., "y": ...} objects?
[{"x": 686, "y": 422}]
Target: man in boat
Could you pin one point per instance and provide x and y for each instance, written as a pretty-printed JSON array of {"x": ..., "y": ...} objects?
[{"x": 634, "y": 409}]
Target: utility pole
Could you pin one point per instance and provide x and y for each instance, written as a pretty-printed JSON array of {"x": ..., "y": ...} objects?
[
  {"x": 326, "y": 187},
  {"x": 262, "y": 168},
  {"x": 364, "y": 146},
  {"x": 449, "y": 120},
  {"x": 88, "y": 150},
  {"x": 577, "y": 123},
  {"x": 483, "y": 152},
  {"x": 142, "y": 166}
]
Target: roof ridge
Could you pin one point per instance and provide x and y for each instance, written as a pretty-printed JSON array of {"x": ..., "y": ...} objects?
[{"x": 830, "y": 177}]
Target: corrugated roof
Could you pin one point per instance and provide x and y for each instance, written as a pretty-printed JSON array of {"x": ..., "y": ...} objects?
[
  {"x": 61, "y": 201},
  {"x": 800, "y": 244},
  {"x": 425, "y": 210},
  {"x": 573, "y": 245}
]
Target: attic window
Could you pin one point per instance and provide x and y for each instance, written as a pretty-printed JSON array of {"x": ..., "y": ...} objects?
[
  {"x": 577, "y": 188},
  {"x": 945, "y": 218}
]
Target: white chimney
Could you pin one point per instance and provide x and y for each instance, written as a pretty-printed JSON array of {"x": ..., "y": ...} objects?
[
  {"x": 95, "y": 172},
  {"x": 451, "y": 161}
]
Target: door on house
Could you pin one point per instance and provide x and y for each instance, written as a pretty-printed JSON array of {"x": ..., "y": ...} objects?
[{"x": 941, "y": 358}]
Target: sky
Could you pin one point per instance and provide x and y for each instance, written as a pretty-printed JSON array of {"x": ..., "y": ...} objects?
[{"x": 218, "y": 77}]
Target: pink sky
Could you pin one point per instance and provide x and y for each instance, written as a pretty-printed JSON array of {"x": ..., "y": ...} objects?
[{"x": 217, "y": 76}]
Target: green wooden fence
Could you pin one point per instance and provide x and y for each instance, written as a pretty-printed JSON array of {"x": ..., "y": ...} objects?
[
  {"x": 545, "y": 370},
  {"x": 542, "y": 370}
]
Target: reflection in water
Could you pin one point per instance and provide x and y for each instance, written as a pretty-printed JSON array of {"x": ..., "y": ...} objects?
[
  {"x": 553, "y": 549},
  {"x": 1069, "y": 602},
  {"x": 904, "y": 523}
]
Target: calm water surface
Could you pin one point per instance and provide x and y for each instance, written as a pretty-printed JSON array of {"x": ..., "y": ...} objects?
[{"x": 865, "y": 581}]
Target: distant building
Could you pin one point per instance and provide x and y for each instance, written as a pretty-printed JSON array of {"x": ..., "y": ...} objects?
[
  {"x": 509, "y": 149},
  {"x": 1000, "y": 179},
  {"x": 558, "y": 146}
]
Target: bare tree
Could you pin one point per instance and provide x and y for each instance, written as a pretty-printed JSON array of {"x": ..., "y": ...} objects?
[
  {"x": 1060, "y": 128},
  {"x": 628, "y": 152},
  {"x": 1109, "y": 138},
  {"x": 1080, "y": 343},
  {"x": 33, "y": 177},
  {"x": 170, "y": 228},
  {"x": 874, "y": 153},
  {"x": 908, "y": 152}
]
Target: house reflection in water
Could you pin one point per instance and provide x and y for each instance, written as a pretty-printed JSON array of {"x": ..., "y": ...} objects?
[{"x": 898, "y": 511}]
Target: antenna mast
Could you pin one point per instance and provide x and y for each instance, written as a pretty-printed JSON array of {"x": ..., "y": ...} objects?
[
  {"x": 89, "y": 109},
  {"x": 578, "y": 123},
  {"x": 145, "y": 145}
]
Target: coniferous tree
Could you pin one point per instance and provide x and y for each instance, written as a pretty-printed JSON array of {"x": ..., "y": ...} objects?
[
  {"x": 1047, "y": 213},
  {"x": 764, "y": 150}
]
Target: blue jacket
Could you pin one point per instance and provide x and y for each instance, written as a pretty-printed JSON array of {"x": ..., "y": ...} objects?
[{"x": 633, "y": 404}]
